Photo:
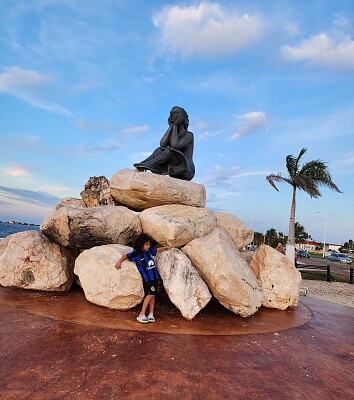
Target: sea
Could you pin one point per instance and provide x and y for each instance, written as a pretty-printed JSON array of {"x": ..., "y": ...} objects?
[{"x": 7, "y": 228}]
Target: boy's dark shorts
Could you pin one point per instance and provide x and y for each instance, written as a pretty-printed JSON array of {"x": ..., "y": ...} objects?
[{"x": 150, "y": 287}]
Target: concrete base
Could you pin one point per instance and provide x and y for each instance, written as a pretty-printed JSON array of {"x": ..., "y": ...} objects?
[{"x": 47, "y": 355}]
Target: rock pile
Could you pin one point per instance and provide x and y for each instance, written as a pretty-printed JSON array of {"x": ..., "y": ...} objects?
[{"x": 102, "y": 227}]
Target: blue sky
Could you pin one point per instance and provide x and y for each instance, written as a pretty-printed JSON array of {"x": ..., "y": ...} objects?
[{"x": 86, "y": 88}]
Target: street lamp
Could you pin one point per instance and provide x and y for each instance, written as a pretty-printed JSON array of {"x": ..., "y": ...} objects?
[{"x": 325, "y": 231}]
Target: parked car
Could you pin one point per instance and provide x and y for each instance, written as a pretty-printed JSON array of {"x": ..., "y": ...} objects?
[
  {"x": 303, "y": 253},
  {"x": 339, "y": 257}
]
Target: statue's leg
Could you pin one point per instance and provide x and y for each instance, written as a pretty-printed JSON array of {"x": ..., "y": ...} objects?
[{"x": 156, "y": 163}]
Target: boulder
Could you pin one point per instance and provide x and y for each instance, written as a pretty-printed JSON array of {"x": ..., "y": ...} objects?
[
  {"x": 97, "y": 192},
  {"x": 28, "y": 260},
  {"x": 240, "y": 234},
  {"x": 176, "y": 225},
  {"x": 279, "y": 279},
  {"x": 103, "y": 284},
  {"x": 247, "y": 255},
  {"x": 183, "y": 284},
  {"x": 70, "y": 202},
  {"x": 227, "y": 274},
  {"x": 141, "y": 190},
  {"x": 94, "y": 226}
]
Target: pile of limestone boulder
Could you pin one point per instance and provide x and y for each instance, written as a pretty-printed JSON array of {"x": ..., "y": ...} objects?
[{"x": 84, "y": 238}]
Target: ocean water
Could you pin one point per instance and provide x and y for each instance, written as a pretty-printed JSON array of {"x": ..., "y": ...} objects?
[{"x": 7, "y": 229}]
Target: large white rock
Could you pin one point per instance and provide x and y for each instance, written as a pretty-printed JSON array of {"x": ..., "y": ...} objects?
[
  {"x": 103, "y": 284},
  {"x": 28, "y": 260},
  {"x": 176, "y": 225},
  {"x": 240, "y": 234},
  {"x": 279, "y": 279},
  {"x": 70, "y": 202},
  {"x": 94, "y": 226},
  {"x": 141, "y": 190},
  {"x": 183, "y": 284},
  {"x": 227, "y": 274}
]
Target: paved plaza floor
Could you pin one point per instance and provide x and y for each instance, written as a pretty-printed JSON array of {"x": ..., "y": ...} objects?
[{"x": 60, "y": 346}]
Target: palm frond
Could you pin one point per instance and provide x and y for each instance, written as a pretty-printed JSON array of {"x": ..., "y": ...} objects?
[
  {"x": 277, "y": 178},
  {"x": 292, "y": 163}
]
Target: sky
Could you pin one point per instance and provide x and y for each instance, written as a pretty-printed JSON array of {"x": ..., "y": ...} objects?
[{"x": 86, "y": 88}]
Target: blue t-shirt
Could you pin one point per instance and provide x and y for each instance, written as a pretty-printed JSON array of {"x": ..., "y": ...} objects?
[{"x": 145, "y": 264}]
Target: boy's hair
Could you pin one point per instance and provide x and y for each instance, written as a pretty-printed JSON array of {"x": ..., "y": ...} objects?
[{"x": 140, "y": 240}]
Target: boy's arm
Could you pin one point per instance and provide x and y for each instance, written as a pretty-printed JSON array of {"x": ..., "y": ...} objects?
[{"x": 119, "y": 262}]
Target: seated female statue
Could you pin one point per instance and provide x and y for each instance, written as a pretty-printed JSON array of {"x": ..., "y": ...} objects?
[{"x": 174, "y": 157}]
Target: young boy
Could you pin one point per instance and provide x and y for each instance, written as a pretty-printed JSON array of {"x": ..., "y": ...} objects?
[{"x": 142, "y": 255}]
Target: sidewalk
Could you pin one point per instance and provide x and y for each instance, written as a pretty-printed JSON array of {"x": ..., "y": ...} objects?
[{"x": 43, "y": 357}]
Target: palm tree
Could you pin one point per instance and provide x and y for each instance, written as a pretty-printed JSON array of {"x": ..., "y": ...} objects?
[{"x": 308, "y": 177}]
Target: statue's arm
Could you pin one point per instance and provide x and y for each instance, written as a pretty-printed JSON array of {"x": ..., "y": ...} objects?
[
  {"x": 180, "y": 144},
  {"x": 165, "y": 140}
]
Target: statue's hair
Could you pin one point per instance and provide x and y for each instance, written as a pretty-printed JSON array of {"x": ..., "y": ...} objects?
[{"x": 185, "y": 116}]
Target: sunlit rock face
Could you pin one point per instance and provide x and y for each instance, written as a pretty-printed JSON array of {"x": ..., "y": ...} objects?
[
  {"x": 28, "y": 260},
  {"x": 106, "y": 286},
  {"x": 176, "y": 225},
  {"x": 97, "y": 192},
  {"x": 225, "y": 271},
  {"x": 94, "y": 226},
  {"x": 279, "y": 279},
  {"x": 183, "y": 284},
  {"x": 240, "y": 234},
  {"x": 142, "y": 190}
]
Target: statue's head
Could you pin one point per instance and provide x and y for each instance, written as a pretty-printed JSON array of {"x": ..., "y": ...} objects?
[{"x": 179, "y": 112}]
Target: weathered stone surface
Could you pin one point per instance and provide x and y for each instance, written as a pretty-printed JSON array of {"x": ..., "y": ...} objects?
[
  {"x": 104, "y": 285},
  {"x": 94, "y": 226},
  {"x": 183, "y": 284},
  {"x": 28, "y": 260},
  {"x": 176, "y": 225},
  {"x": 226, "y": 273},
  {"x": 247, "y": 255},
  {"x": 280, "y": 280},
  {"x": 240, "y": 234},
  {"x": 141, "y": 190},
  {"x": 70, "y": 202},
  {"x": 97, "y": 192}
]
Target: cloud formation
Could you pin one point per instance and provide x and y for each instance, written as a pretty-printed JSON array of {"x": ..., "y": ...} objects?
[
  {"x": 249, "y": 123},
  {"x": 24, "y": 84},
  {"x": 206, "y": 29},
  {"x": 15, "y": 169},
  {"x": 321, "y": 50},
  {"x": 27, "y": 196}
]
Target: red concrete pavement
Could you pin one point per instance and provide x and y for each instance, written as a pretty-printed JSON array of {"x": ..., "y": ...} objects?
[{"x": 44, "y": 356}]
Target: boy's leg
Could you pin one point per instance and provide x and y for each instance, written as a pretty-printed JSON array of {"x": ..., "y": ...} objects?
[
  {"x": 146, "y": 301},
  {"x": 152, "y": 305}
]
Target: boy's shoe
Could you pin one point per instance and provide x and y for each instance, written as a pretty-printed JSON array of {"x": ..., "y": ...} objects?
[
  {"x": 151, "y": 318},
  {"x": 142, "y": 319}
]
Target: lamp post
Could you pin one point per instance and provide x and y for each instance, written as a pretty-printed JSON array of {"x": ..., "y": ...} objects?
[{"x": 325, "y": 232}]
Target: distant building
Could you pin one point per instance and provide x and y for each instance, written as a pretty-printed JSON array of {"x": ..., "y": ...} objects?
[{"x": 311, "y": 246}]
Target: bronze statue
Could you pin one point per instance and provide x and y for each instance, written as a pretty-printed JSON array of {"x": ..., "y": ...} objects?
[{"x": 174, "y": 157}]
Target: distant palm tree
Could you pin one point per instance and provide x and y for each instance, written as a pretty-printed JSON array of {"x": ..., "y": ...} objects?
[{"x": 308, "y": 178}]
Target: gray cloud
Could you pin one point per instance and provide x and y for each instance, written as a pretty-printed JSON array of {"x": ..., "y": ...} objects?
[{"x": 27, "y": 196}]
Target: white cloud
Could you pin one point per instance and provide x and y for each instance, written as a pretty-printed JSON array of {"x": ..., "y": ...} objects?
[
  {"x": 219, "y": 177},
  {"x": 249, "y": 123},
  {"x": 321, "y": 50},
  {"x": 15, "y": 78},
  {"x": 110, "y": 145},
  {"x": 136, "y": 129},
  {"x": 206, "y": 29},
  {"x": 24, "y": 84},
  {"x": 15, "y": 169}
]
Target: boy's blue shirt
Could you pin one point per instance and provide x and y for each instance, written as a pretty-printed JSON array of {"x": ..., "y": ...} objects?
[{"x": 145, "y": 263}]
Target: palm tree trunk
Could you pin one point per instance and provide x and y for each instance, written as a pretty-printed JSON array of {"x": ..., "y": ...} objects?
[{"x": 290, "y": 245}]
